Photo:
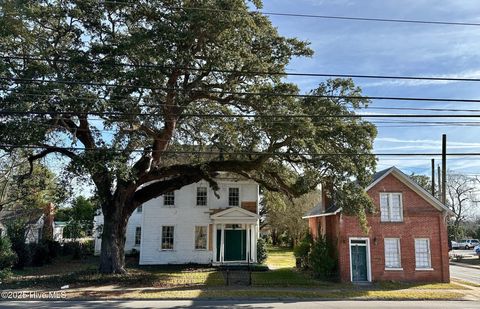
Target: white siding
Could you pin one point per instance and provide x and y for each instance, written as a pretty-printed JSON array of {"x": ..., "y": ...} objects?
[
  {"x": 134, "y": 221},
  {"x": 184, "y": 215}
]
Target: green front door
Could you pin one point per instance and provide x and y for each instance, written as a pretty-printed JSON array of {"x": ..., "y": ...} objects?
[
  {"x": 359, "y": 262},
  {"x": 235, "y": 245}
]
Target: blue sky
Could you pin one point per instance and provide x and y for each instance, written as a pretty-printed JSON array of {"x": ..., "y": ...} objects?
[{"x": 377, "y": 48}]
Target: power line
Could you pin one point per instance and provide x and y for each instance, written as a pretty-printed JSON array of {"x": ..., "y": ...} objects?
[
  {"x": 249, "y": 72},
  {"x": 244, "y": 93},
  {"x": 328, "y": 17},
  {"x": 244, "y": 152},
  {"x": 247, "y": 115}
]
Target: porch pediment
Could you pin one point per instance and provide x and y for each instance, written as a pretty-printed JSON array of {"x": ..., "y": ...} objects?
[{"x": 235, "y": 213}]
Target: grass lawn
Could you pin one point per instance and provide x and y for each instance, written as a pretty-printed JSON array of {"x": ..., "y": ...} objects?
[
  {"x": 283, "y": 281},
  {"x": 280, "y": 258},
  {"x": 250, "y": 293}
]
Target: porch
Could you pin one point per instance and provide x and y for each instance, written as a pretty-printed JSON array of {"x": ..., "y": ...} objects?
[{"x": 235, "y": 234}]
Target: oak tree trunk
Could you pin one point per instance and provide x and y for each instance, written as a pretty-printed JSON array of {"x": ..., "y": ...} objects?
[{"x": 112, "y": 256}]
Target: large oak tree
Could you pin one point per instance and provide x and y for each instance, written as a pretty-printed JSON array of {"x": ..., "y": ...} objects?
[{"x": 139, "y": 95}]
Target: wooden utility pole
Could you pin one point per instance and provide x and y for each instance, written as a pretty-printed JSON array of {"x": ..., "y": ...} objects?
[
  {"x": 444, "y": 168},
  {"x": 433, "y": 177},
  {"x": 439, "y": 175}
]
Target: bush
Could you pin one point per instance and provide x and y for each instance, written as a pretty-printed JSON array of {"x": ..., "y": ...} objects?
[
  {"x": 321, "y": 259},
  {"x": 261, "y": 251},
  {"x": 16, "y": 233},
  {"x": 54, "y": 248},
  {"x": 301, "y": 252},
  {"x": 39, "y": 254},
  {"x": 78, "y": 249},
  {"x": 7, "y": 256}
]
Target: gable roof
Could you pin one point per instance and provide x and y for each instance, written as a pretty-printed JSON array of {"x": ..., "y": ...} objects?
[
  {"x": 234, "y": 213},
  {"x": 318, "y": 211},
  {"x": 409, "y": 182}
]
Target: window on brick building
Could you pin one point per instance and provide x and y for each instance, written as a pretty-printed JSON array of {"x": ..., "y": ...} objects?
[
  {"x": 391, "y": 208},
  {"x": 392, "y": 253},
  {"x": 422, "y": 253}
]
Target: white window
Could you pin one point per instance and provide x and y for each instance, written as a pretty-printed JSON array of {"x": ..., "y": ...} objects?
[
  {"x": 139, "y": 209},
  {"x": 169, "y": 199},
  {"x": 138, "y": 235},
  {"x": 201, "y": 196},
  {"x": 168, "y": 234},
  {"x": 422, "y": 253},
  {"x": 200, "y": 238},
  {"x": 392, "y": 253},
  {"x": 233, "y": 196},
  {"x": 391, "y": 209}
]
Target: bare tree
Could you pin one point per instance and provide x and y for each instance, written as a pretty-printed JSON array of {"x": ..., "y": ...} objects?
[{"x": 461, "y": 199}]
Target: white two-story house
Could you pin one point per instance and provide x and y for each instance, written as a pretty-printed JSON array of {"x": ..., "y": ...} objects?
[{"x": 193, "y": 225}]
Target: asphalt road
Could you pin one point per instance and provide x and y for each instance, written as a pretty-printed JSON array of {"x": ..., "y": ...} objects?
[
  {"x": 239, "y": 304},
  {"x": 465, "y": 273}
]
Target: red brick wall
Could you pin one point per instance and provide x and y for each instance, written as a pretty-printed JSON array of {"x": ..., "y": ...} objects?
[{"x": 420, "y": 220}]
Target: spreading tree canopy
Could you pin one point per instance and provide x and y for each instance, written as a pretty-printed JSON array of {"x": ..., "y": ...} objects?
[{"x": 144, "y": 97}]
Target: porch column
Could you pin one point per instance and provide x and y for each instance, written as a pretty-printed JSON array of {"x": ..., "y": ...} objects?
[
  {"x": 214, "y": 246},
  {"x": 222, "y": 244},
  {"x": 249, "y": 245},
  {"x": 254, "y": 242}
]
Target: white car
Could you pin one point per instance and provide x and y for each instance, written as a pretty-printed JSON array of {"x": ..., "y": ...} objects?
[
  {"x": 468, "y": 243},
  {"x": 454, "y": 245}
]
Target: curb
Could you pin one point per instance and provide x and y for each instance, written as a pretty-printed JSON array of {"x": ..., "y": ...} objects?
[{"x": 463, "y": 265}]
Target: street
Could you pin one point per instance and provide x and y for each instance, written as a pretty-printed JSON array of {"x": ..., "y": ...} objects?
[
  {"x": 465, "y": 273},
  {"x": 239, "y": 304}
]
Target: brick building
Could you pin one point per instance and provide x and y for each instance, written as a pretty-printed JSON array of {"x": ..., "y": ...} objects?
[{"x": 407, "y": 239}]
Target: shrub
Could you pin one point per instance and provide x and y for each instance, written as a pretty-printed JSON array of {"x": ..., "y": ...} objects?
[
  {"x": 54, "y": 248},
  {"x": 7, "y": 256},
  {"x": 88, "y": 247},
  {"x": 16, "y": 232},
  {"x": 261, "y": 250},
  {"x": 321, "y": 259},
  {"x": 301, "y": 252},
  {"x": 40, "y": 254}
]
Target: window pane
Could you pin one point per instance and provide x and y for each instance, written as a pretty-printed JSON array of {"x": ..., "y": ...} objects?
[
  {"x": 200, "y": 237},
  {"x": 201, "y": 196},
  {"x": 169, "y": 199},
  {"x": 233, "y": 196},
  {"x": 396, "y": 214},
  {"x": 138, "y": 235},
  {"x": 384, "y": 209},
  {"x": 422, "y": 253},
  {"x": 392, "y": 253},
  {"x": 167, "y": 237}
]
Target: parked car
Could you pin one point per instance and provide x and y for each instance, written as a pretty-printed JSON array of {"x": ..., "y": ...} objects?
[
  {"x": 452, "y": 245},
  {"x": 477, "y": 250},
  {"x": 468, "y": 243}
]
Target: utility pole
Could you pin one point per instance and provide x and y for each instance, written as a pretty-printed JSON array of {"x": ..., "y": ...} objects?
[
  {"x": 444, "y": 168},
  {"x": 439, "y": 173},
  {"x": 433, "y": 177}
]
